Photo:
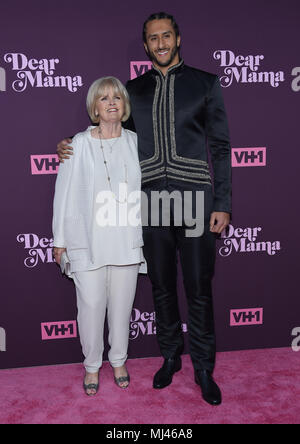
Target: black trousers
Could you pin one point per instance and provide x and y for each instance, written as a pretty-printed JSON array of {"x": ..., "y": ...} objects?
[{"x": 197, "y": 256}]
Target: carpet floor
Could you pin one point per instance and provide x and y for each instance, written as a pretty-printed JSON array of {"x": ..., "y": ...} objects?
[{"x": 258, "y": 386}]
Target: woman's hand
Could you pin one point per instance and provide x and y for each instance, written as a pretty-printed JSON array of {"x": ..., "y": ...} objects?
[{"x": 57, "y": 252}]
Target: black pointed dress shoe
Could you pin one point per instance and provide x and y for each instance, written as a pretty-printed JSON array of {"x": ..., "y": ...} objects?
[
  {"x": 210, "y": 391},
  {"x": 164, "y": 376}
]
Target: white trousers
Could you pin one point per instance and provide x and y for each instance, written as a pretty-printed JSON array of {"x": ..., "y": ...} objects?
[{"x": 112, "y": 289}]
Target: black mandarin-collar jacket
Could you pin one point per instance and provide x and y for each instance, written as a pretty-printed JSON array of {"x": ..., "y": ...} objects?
[{"x": 177, "y": 117}]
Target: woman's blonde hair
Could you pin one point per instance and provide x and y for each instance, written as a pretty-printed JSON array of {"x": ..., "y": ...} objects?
[{"x": 99, "y": 88}]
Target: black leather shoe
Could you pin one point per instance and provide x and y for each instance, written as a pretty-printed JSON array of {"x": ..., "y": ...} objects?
[
  {"x": 164, "y": 376},
  {"x": 210, "y": 391}
]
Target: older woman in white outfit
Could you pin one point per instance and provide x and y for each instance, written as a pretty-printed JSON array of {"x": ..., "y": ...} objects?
[{"x": 101, "y": 246}]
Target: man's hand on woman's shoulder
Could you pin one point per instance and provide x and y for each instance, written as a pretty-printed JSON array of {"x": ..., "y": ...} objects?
[{"x": 64, "y": 150}]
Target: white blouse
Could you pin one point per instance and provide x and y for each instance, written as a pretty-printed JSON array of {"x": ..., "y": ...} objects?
[{"x": 97, "y": 222}]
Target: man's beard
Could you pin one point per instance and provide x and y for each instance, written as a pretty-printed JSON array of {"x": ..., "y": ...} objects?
[{"x": 174, "y": 53}]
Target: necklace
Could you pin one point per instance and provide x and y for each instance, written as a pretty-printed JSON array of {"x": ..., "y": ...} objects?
[
  {"x": 107, "y": 170},
  {"x": 110, "y": 146}
]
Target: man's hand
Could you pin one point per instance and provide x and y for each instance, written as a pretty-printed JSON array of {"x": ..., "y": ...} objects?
[
  {"x": 64, "y": 150},
  {"x": 219, "y": 221},
  {"x": 57, "y": 252}
]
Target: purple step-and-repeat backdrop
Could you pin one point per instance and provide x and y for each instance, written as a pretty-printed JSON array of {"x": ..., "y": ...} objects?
[{"x": 50, "y": 52}]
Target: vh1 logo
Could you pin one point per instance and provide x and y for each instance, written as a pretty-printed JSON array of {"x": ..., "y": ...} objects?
[
  {"x": 139, "y": 68},
  {"x": 246, "y": 316},
  {"x": 59, "y": 330},
  {"x": 247, "y": 157},
  {"x": 44, "y": 164}
]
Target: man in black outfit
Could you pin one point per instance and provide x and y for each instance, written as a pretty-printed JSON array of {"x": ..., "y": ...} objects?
[{"x": 178, "y": 112}]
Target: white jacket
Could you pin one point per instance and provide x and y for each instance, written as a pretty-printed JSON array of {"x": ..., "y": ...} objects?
[{"x": 74, "y": 208}]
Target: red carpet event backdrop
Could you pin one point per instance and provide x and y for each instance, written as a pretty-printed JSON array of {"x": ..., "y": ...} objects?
[{"x": 50, "y": 53}]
